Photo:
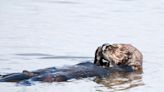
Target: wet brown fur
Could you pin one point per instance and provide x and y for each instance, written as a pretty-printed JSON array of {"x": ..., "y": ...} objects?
[{"x": 119, "y": 54}]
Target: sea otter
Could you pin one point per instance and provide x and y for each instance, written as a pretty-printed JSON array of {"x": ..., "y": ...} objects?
[
  {"x": 119, "y": 54},
  {"x": 126, "y": 57}
]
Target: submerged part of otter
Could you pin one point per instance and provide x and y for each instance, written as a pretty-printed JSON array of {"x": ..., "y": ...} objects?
[{"x": 81, "y": 70}]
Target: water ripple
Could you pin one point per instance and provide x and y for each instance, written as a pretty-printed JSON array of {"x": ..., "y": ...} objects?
[
  {"x": 33, "y": 54},
  {"x": 66, "y": 57},
  {"x": 62, "y": 2}
]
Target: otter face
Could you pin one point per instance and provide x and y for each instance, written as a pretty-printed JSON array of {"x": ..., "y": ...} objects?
[
  {"x": 108, "y": 51},
  {"x": 103, "y": 55},
  {"x": 99, "y": 60}
]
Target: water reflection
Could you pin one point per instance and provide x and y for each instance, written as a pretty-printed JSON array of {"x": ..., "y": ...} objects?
[{"x": 121, "y": 81}]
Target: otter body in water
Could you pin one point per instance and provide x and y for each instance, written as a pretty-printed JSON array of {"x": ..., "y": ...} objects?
[
  {"x": 81, "y": 70},
  {"x": 119, "y": 54}
]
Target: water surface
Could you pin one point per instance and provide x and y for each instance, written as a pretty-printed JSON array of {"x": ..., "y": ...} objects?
[{"x": 37, "y": 34}]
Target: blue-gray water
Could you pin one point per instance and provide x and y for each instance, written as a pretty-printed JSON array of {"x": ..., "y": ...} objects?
[{"x": 37, "y": 34}]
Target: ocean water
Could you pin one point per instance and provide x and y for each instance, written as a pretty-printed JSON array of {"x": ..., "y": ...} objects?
[{"x": 36, "y": 34}]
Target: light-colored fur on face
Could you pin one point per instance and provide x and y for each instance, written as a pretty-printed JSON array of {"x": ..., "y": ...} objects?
[{"x": 121, "y": 54}]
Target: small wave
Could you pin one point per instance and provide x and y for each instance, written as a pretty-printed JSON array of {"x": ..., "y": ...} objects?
[
  {"x": 62, "y": 2},
  {"x": 66, "y": 57},
  {"x": 33, "y": 54}
]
